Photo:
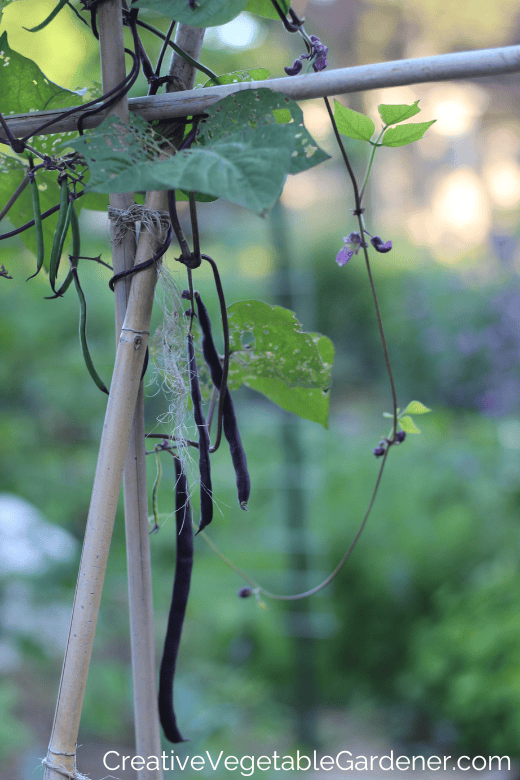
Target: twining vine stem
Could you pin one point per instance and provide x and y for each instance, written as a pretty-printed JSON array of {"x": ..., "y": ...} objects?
[{"x": 358, "y": 212}]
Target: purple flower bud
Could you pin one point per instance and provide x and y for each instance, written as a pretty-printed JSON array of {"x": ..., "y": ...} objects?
[
  {"x": 244, "y": 593},
  {"x": 400, "y": 436},
  {"x": 295, "y": 69},
  {"x": 379, "y": 246},
  {"x": 320, "y": 63},
  {"x": 379, "y": 451},
  {"x": 343, "y": 256}
]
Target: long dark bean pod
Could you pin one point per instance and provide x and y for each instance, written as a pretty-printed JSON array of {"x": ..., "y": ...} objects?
[
  {"x": 229, "y": 421},
  {"x": 206, "y": 500},
  {"x": 181, "y": 589}
]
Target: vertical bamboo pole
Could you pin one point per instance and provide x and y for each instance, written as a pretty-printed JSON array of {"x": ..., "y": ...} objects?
[{"x": 146, "y": 717}]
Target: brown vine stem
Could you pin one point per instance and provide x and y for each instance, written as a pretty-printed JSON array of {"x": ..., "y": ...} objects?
[
  {"x": 295, "y": 597},
  {"x": 359, "y": 213}
]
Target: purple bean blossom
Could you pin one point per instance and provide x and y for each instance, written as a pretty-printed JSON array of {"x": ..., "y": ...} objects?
[
  {"x": 379, "y": 245},
  {"x": 346, "y": 252},
  {"x": 318, "y": 55}
]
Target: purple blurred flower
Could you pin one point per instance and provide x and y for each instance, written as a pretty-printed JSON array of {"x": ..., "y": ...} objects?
[
  {"x": 346, "y": 252},
  {"x": 295, "y": 68},
  {"x": 379, "y": 451},
  {"x": 320, "y": 51},
  {"x": 355, "y": 240},
  {"x": 344, "y": 256},
  {"x": 400, "y": 436},
  {"x": 244, "y": 593},
  {"x": 318, "y": 54},
  {"x": 379, "y": 245}
]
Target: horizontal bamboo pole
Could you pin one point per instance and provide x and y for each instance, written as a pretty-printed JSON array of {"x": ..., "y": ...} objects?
[{"x": 442, "y": 67}]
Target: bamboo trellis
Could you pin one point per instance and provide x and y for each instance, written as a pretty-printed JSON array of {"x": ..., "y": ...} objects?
[{"x": 122, "y": 443}]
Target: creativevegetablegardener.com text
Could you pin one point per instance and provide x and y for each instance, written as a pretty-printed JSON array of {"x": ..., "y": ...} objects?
[{"x": 344, "y": 760}]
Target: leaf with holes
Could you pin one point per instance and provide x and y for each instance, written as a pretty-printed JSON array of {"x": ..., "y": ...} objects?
[
  {"x": 201, "y": 13},
  {"x": 25, "y": 88},
  {"x": 12, "y": 172},
  {"x": 247, "y": 168},
  {"x": 242, "y": 153},
  {"x": 266, "y": 9},
  {"x": 257, "y": 107},
  {"x": 270, "y": 353}
]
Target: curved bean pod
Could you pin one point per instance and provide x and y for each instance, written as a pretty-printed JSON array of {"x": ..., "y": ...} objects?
[
  {"x": 206, "y": 500},
  {"x": 181, "y": 589},
  {"x": 229, "y": 421},
  {"x": 83, "y": 331},
  {"x": 40, "y": 249},
  {"x": 76, "y": 251},
  {"x": 59, "y": 236}
]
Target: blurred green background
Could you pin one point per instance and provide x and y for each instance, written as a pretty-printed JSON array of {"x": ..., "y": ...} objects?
[{"x": 416, "y": 640}]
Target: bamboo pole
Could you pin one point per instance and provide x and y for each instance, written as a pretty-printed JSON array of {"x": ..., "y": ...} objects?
[
  {"x": 140, "y": 600},
  {"x": 441, "y": 67}
]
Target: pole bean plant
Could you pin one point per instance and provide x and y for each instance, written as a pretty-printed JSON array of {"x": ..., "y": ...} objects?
[{"x": 241, "y": 149}]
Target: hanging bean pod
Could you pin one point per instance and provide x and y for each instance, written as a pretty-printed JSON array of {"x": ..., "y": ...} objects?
[
  {"x": 181, "y": 589},
  {"x": 206, "y": 500},
  {"x": 229, "y": 421},
  {"x": 40, "y": 249}
]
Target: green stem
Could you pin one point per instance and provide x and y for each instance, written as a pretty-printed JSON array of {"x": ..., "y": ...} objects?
[{"x": 367, "y": 174}]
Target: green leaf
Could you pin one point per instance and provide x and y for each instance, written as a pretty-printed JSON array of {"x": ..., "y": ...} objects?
[
  {"x": 416, "y": 407},
  {"x": 391, "y": 115},
  {"x": 239, "y": 76},
  {"x": 12, "y": 171},
  {"x": 242, "y": 154},
  {"x": 248, "y": 171},
  {"x": 352, "y": 123},
  {"x": 25, "y": 88},
  {"x": 408, "y": 425},
  {"x": 266, "y": 9},
  {"x": 207, "y": 13},
  {"x": 271, "y": 354},
  {"x": 406, "y": 134},
  {"x": 263, "y": 106}
]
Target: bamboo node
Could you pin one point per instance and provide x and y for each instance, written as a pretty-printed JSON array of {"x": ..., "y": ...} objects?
[
  {"x": 123, "y": 220},
  {"x": 74, "y": 775}
]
